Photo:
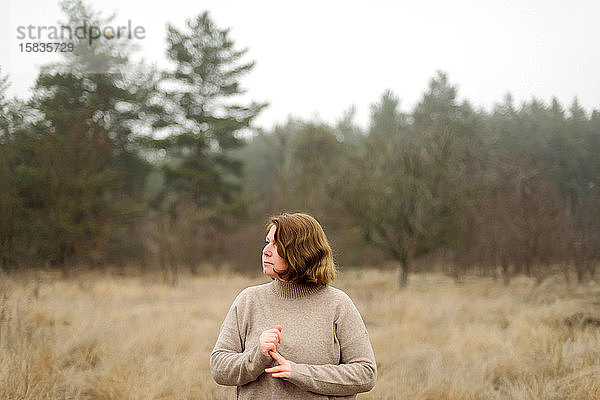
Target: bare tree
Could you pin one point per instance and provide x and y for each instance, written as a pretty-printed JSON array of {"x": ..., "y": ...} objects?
[{"x": 407, "y": 193}]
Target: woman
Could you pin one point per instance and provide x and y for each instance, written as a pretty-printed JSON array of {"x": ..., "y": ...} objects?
[{"x": 295, "y": 337}]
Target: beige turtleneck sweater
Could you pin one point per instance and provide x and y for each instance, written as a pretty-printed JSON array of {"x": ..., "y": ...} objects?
[{"x": 323, "y": 336}]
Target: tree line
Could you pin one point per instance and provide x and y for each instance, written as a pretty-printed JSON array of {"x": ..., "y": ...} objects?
[{"x": 165, "y": 169}]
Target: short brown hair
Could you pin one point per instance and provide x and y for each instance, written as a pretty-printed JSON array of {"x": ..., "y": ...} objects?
[{"x": 302, "y": 243}]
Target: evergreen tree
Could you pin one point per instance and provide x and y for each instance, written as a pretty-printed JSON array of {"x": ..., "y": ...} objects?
[
  {"x": 86, "y": 167},
  {"x": 204, "y": 124},
  {"x": 439, "y": 106},
  {"x": 386, "y": 118},
  {"x": 439, "y": 110},
  {"x": 12, "y": 213}
]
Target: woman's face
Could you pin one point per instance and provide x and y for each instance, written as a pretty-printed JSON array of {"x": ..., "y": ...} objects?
[{"x": 271, "y": 260}]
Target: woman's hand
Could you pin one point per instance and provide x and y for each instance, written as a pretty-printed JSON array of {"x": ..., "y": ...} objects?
[
  {"x": 269, "y": 340},
  {"x": 283, "y": 370}
]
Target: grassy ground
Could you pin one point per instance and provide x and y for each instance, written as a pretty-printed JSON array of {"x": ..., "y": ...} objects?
[{"x": 106, "y": 337}]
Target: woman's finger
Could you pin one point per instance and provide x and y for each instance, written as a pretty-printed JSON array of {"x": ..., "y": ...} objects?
[
  {"x": 278, "y": 329},
  {"x": 270, "y": 347},
  {"x": 271, "y": 336},
  {"x": 276, "y": 333},
  {"x": 281, "y": 375},
  {"x": 277, "y": 357}
]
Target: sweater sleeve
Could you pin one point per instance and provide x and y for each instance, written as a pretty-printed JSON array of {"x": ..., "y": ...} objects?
[
  {"x": 232, "y": 361},
  {"x": 357, "y": 370}
]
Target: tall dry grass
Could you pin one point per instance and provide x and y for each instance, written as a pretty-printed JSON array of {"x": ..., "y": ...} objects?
[{"x": 105, "y": 337}]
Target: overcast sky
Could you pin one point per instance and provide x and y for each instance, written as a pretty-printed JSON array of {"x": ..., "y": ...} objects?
[{"x": 317, "y": 58}]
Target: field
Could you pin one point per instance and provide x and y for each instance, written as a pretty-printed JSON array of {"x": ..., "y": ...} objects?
[{"x": 95, "y": 336}]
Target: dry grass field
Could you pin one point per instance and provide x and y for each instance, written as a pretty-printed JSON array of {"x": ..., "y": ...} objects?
[{"x": 97, "y": 336}]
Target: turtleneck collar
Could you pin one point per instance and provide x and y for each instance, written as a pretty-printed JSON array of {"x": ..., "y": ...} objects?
[{"x": 290, "y": 290}]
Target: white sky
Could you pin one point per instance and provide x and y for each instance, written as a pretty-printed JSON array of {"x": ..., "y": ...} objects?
[{"x": 317, "y": 58}]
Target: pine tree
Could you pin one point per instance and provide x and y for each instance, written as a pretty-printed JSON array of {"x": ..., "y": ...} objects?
[
  {"x": 204, "y": 124},
  {"x": 386, "y": 119},
  {"x": 87, "y": 172},
  {"x": 12, "y": 215}
]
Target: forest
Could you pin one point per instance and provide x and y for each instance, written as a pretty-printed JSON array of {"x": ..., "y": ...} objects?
[
  {"x": 134, "y": 201},
  {"x": 166, "y": 170}
]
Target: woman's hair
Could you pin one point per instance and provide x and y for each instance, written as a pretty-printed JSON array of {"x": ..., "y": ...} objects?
[{"x": 302, "y": 243}]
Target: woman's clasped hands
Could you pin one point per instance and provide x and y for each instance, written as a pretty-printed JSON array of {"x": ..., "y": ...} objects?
[{"x": 269, "y": 340}]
